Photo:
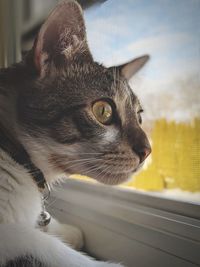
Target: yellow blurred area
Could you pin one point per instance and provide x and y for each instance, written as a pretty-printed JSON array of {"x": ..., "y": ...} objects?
[{"x": 175, "y": 158}]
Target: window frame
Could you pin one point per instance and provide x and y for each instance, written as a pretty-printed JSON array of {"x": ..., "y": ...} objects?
[{"x": 129, "y": 223}]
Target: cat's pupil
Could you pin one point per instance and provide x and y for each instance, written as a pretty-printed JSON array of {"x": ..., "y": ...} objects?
[
  {"x": 139, "y": 118},
  {"x": 102, "y": 112}
]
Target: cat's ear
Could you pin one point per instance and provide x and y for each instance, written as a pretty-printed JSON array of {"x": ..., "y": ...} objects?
[
  {"x": 129, "y": 69},
  {"x": 62, "y": 37}
]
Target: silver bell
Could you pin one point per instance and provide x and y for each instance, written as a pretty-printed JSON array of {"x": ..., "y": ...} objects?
[{"x": 44, "y": 218}]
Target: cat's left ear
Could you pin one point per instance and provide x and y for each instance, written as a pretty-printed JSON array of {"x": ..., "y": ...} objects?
[
  {"x": 62, "y": 38},
  {"x": 129, "y": 69}
]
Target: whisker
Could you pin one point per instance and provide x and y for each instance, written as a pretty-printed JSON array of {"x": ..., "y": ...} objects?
[
  {"x": 103, "y": 171},
  {"x": 83, "y": 164},
  {"x": 94, "y": 168},
  {"x": 74, "y": 160},
  {"x": 79, "y": 164},
  {"x": 88, "y": 171},
  {"x": 92, "y": 153}
]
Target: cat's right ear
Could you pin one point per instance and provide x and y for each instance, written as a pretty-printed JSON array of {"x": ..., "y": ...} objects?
[
  {"x": 62, "y": 38},
  {"x": 127, "y": 70}
]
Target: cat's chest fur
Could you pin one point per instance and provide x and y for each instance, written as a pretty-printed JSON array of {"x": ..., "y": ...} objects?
[{"x": 20, "y": 199}]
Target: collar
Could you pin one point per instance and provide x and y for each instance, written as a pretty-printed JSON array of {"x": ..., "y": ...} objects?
[{"x": 18, "y": 153}]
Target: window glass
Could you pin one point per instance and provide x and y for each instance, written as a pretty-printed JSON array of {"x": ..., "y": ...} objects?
[{"x": 168, "y": 86}]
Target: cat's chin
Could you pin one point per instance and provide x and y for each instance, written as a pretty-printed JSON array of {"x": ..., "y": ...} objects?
[
  {"x": 116, "y": 179},
  {"x": 113, "y": 179}
]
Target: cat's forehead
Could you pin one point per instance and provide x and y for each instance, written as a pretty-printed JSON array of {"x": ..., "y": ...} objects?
[
  {"x": 96, "y": 81},
  {"x": 83, "y": 84}
]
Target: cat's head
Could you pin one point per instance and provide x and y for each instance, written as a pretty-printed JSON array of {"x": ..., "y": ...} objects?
[{"x": 75, "y": 115}]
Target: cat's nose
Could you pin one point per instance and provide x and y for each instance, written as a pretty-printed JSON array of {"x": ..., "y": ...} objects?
[
  {"x": 143, "y": 153},
  {"x": 139, "y": 143}
]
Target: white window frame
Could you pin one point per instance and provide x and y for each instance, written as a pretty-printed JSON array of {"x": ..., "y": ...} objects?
[{"x": 132, "y": 227}]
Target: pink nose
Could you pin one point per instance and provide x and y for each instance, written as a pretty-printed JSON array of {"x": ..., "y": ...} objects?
[{"x": 144, "y": 153}]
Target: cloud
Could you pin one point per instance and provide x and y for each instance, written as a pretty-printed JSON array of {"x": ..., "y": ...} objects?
[
  {"x": 161, "y": 43},
  {"x": 118, "y": 32},
  {"x": 174, "y": 100}
]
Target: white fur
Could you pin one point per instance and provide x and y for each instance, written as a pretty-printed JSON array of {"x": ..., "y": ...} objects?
[
  {"x": 19, "y": 208},
  {"x": 19, "y": 239},
  {"x": 40, "y": 150},
  {"x": 67, "y": 233},
  {"x": 19, "y": 196},
  {"x": 110, "y": 135}
]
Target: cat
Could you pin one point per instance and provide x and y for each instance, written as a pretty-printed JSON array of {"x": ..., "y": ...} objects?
[{"x": 62, "y": 113}]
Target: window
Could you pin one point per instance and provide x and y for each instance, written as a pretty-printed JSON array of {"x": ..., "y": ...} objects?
[{"x": 168, "y": 85}]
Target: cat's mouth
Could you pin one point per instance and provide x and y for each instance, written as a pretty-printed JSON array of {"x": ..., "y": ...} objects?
[{"x": 112, "y": 177}]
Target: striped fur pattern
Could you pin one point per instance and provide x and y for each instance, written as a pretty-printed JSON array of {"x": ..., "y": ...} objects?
[{"x": 46, "y": 108}]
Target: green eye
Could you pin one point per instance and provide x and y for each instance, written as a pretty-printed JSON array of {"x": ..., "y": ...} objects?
[{"x": 102, "y": 111}]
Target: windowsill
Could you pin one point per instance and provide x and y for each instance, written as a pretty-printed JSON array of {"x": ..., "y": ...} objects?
[{"x": 129, "y": 226}]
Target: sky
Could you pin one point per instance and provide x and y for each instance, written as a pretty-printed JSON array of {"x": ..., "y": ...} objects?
[{"x": 169, "y": 31}]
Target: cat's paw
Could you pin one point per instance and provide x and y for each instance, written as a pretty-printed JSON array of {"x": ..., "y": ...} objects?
[
  {"x": 67, "y": 233},
  {"x": 72, "y": 236}
]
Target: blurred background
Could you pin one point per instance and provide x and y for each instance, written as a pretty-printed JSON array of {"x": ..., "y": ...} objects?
[{"x": 168, "y": 86}]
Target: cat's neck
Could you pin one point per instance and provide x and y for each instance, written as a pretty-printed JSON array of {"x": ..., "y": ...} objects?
[
  {"x": 17, "y": 152},
  {"x": 9, "y": 142}
]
